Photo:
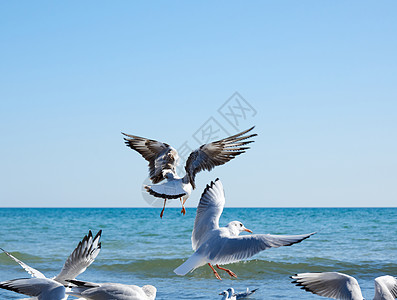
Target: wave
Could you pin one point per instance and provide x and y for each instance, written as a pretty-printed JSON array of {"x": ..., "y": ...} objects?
[
  {"x": 252, "y": 268},
  {"x": 5, "y": 260}
]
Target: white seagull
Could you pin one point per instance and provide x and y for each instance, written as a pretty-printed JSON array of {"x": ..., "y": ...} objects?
[
  {"x": 341, "y": 286},
  {"x": 214, "y": 245},
  {"x": 163, "y": 160},
  {"x": 53, "y": 289},
  {"x": 231, "y": 294},
  {"x": 113, "y": 291},
  {"x": 227, "y": 296}
]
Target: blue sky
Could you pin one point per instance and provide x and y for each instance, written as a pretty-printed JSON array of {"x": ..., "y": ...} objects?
[{"x": 321, "y": 76}]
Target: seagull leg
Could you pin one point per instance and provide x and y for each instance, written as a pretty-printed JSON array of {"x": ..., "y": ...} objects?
[
  {"x": 183, "y": 211},
  {"x": 232, "y": 274},
  {"x": 162, "y": 211},
  {"x": 215, "y": 272}
]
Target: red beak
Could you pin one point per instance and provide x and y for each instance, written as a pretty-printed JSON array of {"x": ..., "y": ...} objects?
[{"x": 250, "y": 231}]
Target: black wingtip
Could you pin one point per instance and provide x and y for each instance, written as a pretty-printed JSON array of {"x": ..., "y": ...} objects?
[
  {"x": 209, "y": 186},
  {"x": 98, "y": 235}
]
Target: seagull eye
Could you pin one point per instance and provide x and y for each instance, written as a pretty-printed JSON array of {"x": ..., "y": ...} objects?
[{"x": 241, "y": 225}]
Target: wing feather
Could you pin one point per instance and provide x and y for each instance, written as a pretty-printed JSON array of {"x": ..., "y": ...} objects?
[
  {"x": 208, "y": 213},
  {"x": 329, "y": 284},
  {"x": 31, "y": 286},
  {"x": 232, "y": 249},
  {"x": 156, "y": 153},
  {"x": 216, "y": 153},
  {"x": 384, "y": 285},
  {"x": 33, "y": 272},
  {"x": 82, "y": 257}
]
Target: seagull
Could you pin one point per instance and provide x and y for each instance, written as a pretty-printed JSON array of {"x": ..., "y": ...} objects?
[
  {"x": 53, "y": 289},
  {"x": 163, "y": 160},
  {"x": 214, "y": 245},
  {"x": 113, "y": 291},
  {"x": 341, "y": 286},
  {"x": 227, "y": 296},
  {"x": 230, "y": 294},
  {"x": 242, "y": 294}
]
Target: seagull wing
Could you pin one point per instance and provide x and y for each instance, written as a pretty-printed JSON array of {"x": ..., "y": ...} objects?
[
  {"x": 385, "y": 284},
  {"x": 81, "y": 257},
  {"x": 33, "y": 272},
  {"x": 34, "y": 287},
  {"x": 156, "y": 153},
  {"x": 216, "y": 153},
  {"x": 329, "y": 284},
  {"x": 106, "y": 290},
  {"x": 245, "y": 294},
  {"x": 209, "y": 211},
  {"x": 225, "y": 250}
]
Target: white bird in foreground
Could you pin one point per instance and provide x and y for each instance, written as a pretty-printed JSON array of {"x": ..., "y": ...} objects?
[
  {"x": 230, "y": 294},
  {"x": 214, "y": 245},
  {"x": 163, "y": 160},
  {"x": 113, "y": 291},
  {"x": 341, "y": 286},
  {"x": 53, "y": 289}
]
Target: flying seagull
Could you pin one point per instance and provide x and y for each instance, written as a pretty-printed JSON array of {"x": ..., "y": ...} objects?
[
  {"x": 53, "y": 289},
  {"x": 163, "y": 160},
  {"x": 214, "y": 245},
  {"x": 341, "y": 286},
  {"x": 113, "y": 291}
]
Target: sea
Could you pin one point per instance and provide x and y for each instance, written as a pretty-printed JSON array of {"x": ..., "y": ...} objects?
[{"x": 140, "y": 248}]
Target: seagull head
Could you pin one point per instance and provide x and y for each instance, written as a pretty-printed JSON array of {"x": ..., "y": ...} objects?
[
  {"x": 168, "y": 174},
  {"x": 224, "y": 293},
  {"x": 172, "y": 155},
  {"x": 230, "y": 291},
  {"x": 236, "y": 227}
]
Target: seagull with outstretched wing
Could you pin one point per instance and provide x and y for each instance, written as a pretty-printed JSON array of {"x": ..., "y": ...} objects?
[
  {"x": 214, "y": 245},
  {"x": 337, "y": 285},
  {"x": 53, "y": 289},
  {"x": 163, "y": 160}
]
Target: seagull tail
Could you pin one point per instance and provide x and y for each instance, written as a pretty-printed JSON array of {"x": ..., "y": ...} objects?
[{"x": 192, "y": 263}]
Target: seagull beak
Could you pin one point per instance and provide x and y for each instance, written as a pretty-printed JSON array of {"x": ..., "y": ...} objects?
[{"x": 245, "y": 229}]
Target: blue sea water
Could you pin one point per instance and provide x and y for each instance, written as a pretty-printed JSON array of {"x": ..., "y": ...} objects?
[{"x": 140, "y": 248}]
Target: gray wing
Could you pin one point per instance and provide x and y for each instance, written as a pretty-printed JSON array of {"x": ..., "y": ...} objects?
[
  {"x": 329, "y": 284},
  {"x": 385, "y": 284},
  {"x": 225, "y": 250},
  {"x": 208, "y": 213},
  {"x": 245, "y": 294},
  {"x": 216, "y": 153},
  {"x": 81, "y": 257},
  {"x": 105, "y": 291},
  {"x": 30, "y": 286},
  {"x": 160, "y": 156},
  {"x": 33, "y": 272}
]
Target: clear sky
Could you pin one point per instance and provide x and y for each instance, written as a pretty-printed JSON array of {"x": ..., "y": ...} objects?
[{"x": 320, "y": 78}]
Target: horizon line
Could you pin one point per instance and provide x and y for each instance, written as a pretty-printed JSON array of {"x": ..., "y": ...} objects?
[{"x": 104, "y": 207}]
